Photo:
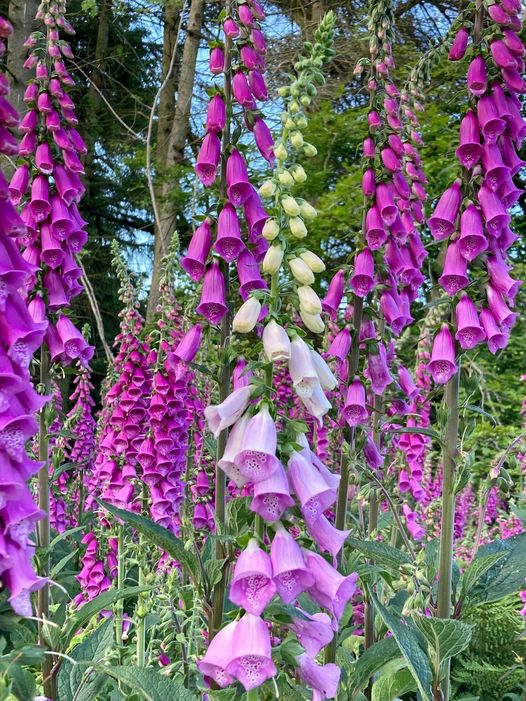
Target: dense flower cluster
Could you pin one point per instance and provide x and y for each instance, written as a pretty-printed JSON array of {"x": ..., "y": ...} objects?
[
  {"x": 20, "y": 336},
  {"x": 47, "y": 186},
  {"x": 473, "y": 214}
]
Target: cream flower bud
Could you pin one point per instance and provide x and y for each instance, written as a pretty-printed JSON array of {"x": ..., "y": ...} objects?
[
  {"x": 247, "y": 316},
  {"x": 314, "y": 262},
  {"x": 327, "y": 379},
  {"x": 296, "y": 139},
  {"x": 270, "y": 229},
  {"x": 297, "y": 227},
  {"x": 283, "y": 90},
  {"x": 299, "y": 174},
  {"x": 289, "y": 124},
  {"x": 309, "y": 300},
  {"x": 309, "y": 150},
  {"x": 272, "y": 260},
  {"x": 290, "y": 206},
  {"x": 301, "y": 271},
  {"x": 267, "y": 189},
  {"x": 280, "y": 152},
  {"x": 302, "y": 122},
  {"x": 286, "y": 178},
  {"x": 307, "y": 210},
  {"x": 276, "y": 343},
  {"x": 313, "y": 322},
  {"x": 293, "y": 107}
]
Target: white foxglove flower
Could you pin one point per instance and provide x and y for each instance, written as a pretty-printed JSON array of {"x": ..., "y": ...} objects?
[
  {"x": 301, "y": 271},
  {"x": 247, "y": 316},
  {"x": 314, "y": 262},
  {"x": 276, "y": 342},
  {"x": 327, "y": 379},
  {"x": 309, "y": 300},
  {"x": 272, "y": 260}
]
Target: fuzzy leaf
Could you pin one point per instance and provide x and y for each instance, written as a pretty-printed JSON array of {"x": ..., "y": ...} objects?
[
  {"x": 445, "y": 639},
  {"x": 157, "y": 535},
  {"x": 504, "y": 577},
  {"x": 370, "y": 662},
  {"x": 477, "y": 569},
  {"x": 407, "y": 637},
  {"x": 380, "y": 552},
  {"x": 150, "y": 684},
  {"x": 391, "y": 686}
]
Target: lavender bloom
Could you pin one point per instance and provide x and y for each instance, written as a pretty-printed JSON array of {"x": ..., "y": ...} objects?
[
  {"x": 251, "y": 662},
  {"x": 323, "y": 679},
  {"x": 314, "y": 631},
  {"x": 291, "y": 575},
  {"x": 257, "y": 458},
  {"x": 378, "y": 371},
  {"x": 223, "y": 415},
  {"x": 333, "y": 298},
  {"x": 252, "y": 587},
  {"x": 313, "y": 492},
  {"x": 219, "y": 655},
  {"x": 331, "y": 589},
  {"x": 188, "y": 346},
  {"x": 272, "y": 496}
]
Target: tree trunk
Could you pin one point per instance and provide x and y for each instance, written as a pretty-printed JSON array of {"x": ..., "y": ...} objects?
[
  {"x": 172, "y": 146},
  {"x": 22, "y": 16}
]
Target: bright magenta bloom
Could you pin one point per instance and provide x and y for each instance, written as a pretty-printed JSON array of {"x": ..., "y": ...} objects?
[
  {"x": 442, "y": 364},
  {"x": 238, "y": 186},
  {"x": 216, "y": 115},
  {"x": 454, "y": 276},
  {"x": 228, "y": 241},
  {"x": 459, "y": 45},
  {"x": 208, "y": 159},
  {"x": 354, "y": 410},
  {"x": 469, "y": 331},
  {"x": 472, "y": 241},
  {"x": 469, "y": 150},
  {"x": 442, "y": 222},
  {"x": 362, "y": 278},
  {"x": 195, "y": 260},
  {"x": 213, "y": 295}
]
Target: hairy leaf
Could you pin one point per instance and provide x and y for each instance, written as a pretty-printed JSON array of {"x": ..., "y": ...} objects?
[
  {"x": 445, "y": 638},
  {"x": 150, "y": 684},
  {"x": 380, "y": 552},
  {"x": 391, "y": 686},
  {"x": 370, "y": 662}
]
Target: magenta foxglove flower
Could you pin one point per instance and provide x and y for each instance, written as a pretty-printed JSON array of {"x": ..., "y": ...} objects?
[
  {"x": 219, "y": 655},
  {"x": 472, "y": 241},
  {"x": 264, "y": 140},
  {"x": 291, "y": 575},
  {"x": 493, "y": 211},
  {"x": 362, "y": 278},
  {"x": 386, "y": 204},
  {"x": 375, "y": 232},
  {"x": 442, "y": 365},
  {"x": 378, "y": 371},
  {"x": 477, "y": 77},
  {"x": 255, "y": 216},
  {"x": 314, "y": 631},
  {"x": 322, "y": 679},
  {"x": 502, "y": 55},
  {"x": 331, "y": 589},
  {"x": 208, "y": 159},
  {"x": 454, "y": 276},
  {"x": 340, "y": 345},
  {"x": 354, "y": 410},
  {"x": 217, "y": 60},
  {"x": 251, "y": 662},
  {"x": 188, "y": 346},
  {"x": 252, "y": 587},
  {"x": 257, "y": 458},
  {"x": 414, "y": 528},
  {"x": 469, "y": 150},
  {"x": 372, "y": 454},
  {"x": 496, "y": 338},
  {"x": 242, "y": 92},
  {"x": 501, "y": 279},
  {"x": 499, "y": 309},
  {"x": 245, "y": 15},
  {"x": 228, "y": 242},
  {"x": 195, "y": 260},
  {"x": 469, "y": 330},
  {"x": 459, "y": 45},
  {"x": 213, "y": 295},
  {"x": 238, "y": 186},
  {"x": 230, "y": 28},
  {"x": 75, "y": 345},
  {"x": 489, "y": 120},
  {"x": 368, "y": 183},
  {"x": 223, "y": 415},
  {"x": 442, "y": 222},
  {"x": 272, "y": 496},
  {"x": 314, "y": 494},
  {"x": 216, "y": 115},
  {"x": 332, "y": 300}
]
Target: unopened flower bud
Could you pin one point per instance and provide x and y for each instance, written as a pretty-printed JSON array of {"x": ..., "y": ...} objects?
[
  {"x": 247, "y": 316},
  {"x": 290, "y": 206},
  {"x": 309, "y": 300},
  {"x": 276, "y": 342},
  {"x": 299, "y": 174},
  {"x": 297, "y": 227},
  {"x": 267, "y": 189},
  {"x": 280, "y": 152},
  {"x": 272, "y": 260},
  {"x": 307, "y": 210},
  {"x": 286, "y": 178},
  {"x": 313, "y": 322},
  {"x": 301, "y": 271},
  {"x": 296, "y": 139},
  {"x": 270, "y": 229},
  {"x": 309, "y": 150},
  {"x": 314, "y": 262}
]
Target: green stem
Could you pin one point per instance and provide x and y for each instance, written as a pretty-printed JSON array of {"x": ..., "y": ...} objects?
[
  {"x": 218, "y": 594},
  {"x": 141, "y": 602},
  {"x": 448, "y": 510},
  {"x": 43, "y": 525},
  {"x": 253, "y": 694}
]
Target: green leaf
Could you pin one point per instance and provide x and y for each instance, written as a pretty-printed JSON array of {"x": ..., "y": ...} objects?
[
  {"x": 150, "y": 684},
  {"x": 421, "y": 430},
  {"x": 157, "y": 535},
  {"x": 370, "y": 662},
  {"x": 22, "y": 683},
  {"x": 391, "y": 686},
  {"x": 445, "y": 639},
  {"x": 506, "y": 576},
  {"x": 477, "y": 569},
  {"x": 62, "y": 563},
  {"x": 103, "y": 601},
  {"x": 380, "y": 552},
  {"x": 63, "y": 535},
  {"x": 80, "y": 682},
  {"x": 479, "y": 410},
  {"x": 407, "y": 636}
]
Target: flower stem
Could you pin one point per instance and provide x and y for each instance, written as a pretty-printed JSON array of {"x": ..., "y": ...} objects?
[
  {"x": 448, "y": 509},
  {"x": 119, "y": 618},
  {"x": 43, "y": 524},
  {"x": 224, "y": 382}
]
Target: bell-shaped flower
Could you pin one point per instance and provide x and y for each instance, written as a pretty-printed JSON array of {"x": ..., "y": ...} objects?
[
  {"x": 442, "y": 222},
  {"x": 354, "y": 410},
  {"x": 331, "y": 589},
  {"x": 375, "y": 232},
  {"x": 314, "y": 631},
  {"x": 216, "y": 61},
  {"x": 223, "y": 415},
  {"x": 239, "y": 188},
  {"x": 272, "y": 496},
  {"x": 20, "y": 580},
  {"x": 72, "y": 339},
  {"x": 232, "y": 448},
  {"x": 332, "y": 300},
  {"x": 459, "y": 45},
  {"x": 340, "y": 345},
  {"x": 247, "y": 316},
  {"x": 499, "y": 309},
  {"x": 490, "y": 122},
  {"x": 322, "y": 679},
  {"x": 242, "y": 92},
  {"x": 362, "y": 278},
  {"x": 188, "y": 346},
  {"x": 454, "y": 276},
  {"x": 228, "y": 242},
  {"x": 194, "y": 262},
  {"x": 264, "y": 141},
  {"x": 258, "y": 86},
  {"x": 472, "y": 241},
  {"x": 493, "y": 211},
  {"x": 414, "y": 528},
  {"x": 302, "y": 369},
  {"x": 326, "y": 536},
  {"x": 252, "y": 587},
  {"x": 371, "y": 452},
  {"x": 219, "y": 654},
  {"x": 469, "y": 150},
  {"x": 213, "y": 295},
  {"x": 251, "y": 661},
  {"x": 255, "y": 216},
  {"x": 469, "y": 330},
  {"x": 216, "y": 115},
  {"x": 496, "y": 338},
  {"x": 291, "y": 575},
  {"x": 313, "y": 492},
  {"x": 442, "y": 364},
  {"x": 40, "y": 205},
  {"x": 248, "y": 274},
  {"x": 276, "y": 343},
  {"x": 257, "y": 458},
  {"x": 501, "y": 279},
  {"x": 477, "y": 76},
  {"x": 208, "y": 159},
  {"x": 378, "y": 371}
]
